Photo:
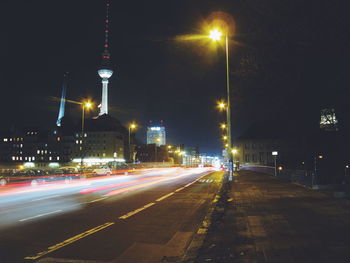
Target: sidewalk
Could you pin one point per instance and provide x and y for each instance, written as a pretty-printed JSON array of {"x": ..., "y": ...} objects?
[{"x": 263, "y": 219}]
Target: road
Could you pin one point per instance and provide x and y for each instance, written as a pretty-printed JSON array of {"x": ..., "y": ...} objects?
[{"x": 148, "y": 216}]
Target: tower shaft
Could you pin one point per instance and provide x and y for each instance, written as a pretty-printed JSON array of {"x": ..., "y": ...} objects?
[{"x": 104, "y": 104}]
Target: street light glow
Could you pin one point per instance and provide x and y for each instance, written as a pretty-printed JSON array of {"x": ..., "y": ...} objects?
[
  {"x": 221, "y": 105},
  {"x": 223, "y": 126},
  {"x": 133, "y": 126},
  {"x": 215, "y": 34},
  {"x": 87, "y": 104},
  {"x": 234, "y": 151}
]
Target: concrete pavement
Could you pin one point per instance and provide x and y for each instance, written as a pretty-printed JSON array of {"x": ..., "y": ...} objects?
[{"x": 263, "y": 219}]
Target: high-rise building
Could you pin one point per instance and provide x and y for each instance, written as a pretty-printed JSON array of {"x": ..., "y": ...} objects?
[
  {"x": 105, "y": 71},
  {"x": 156, "y": 135},
  {"x": 328, "y": 121}
]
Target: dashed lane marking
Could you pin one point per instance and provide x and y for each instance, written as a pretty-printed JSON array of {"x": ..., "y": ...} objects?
[
  {"x": 101, "y": 227},
  {"x": 69, "y": 241},
  {"x": 164, "y": 197},
  {"x": 136, "y": 211},
  {"x": 47, "y": 197},
  {"x": 45, "y": 214},
  {"x": 179, "y": 189}
]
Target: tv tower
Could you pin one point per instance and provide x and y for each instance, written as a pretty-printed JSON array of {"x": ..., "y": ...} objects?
[{"x": 105, "y": 70}]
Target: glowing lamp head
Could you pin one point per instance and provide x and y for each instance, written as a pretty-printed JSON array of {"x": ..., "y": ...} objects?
[
  {"x": 221, "y": 105},
  {"x": 105, "y": 73},
  {"x": 88, "y": 105},
  {"x": 215, "y": 34},
  {"x": 132, "y": 126}
]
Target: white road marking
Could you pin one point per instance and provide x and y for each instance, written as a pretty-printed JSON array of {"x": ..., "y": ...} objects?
[
  {"x": 43, "y": 198},
  {"x": 29, "y": 218}
]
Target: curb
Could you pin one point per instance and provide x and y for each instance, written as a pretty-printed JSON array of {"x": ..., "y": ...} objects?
[{"x": 198, "y": 238}]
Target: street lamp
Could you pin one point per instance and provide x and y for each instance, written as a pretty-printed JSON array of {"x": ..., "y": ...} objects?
[
  {"x": 215, "y": 35},
  {"x": 132, "y": 126},
  {"x": 315, "y": 177},
  {"x": 221, "y": 105},
  {"x": 85, "y": 105},
  {"x": 275, "y": 153},
  {"x": 223, "y": 126}
]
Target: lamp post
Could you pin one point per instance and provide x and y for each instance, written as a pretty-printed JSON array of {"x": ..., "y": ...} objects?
[
  {"x": 85, "y": 105},
  {"x": 315, "y": 179},
  {"x": 215, "y": 35},
  {"x": 132, "y": 126},
  {"x": 275, "y": 153}
]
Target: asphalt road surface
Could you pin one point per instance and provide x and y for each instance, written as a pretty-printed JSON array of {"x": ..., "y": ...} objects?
[{"x": 148, "y": 216}]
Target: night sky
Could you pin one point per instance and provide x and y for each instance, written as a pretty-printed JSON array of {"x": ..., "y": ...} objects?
[{"x": 288, "y": 59}]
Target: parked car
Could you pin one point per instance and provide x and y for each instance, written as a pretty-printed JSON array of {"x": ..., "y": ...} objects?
[{"x": 103, "y": 170}]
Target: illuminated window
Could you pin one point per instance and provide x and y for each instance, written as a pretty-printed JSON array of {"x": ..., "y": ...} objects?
[
  {"x": 58, "y": 139},
  {"x": 29, "y": 159},
  {"x": 13, "y": 158},
  {"x": 25, "y": 158},
  {"x": 85, "y": 134},
  {"x": 38, "y": 151},
  {"x": 21, "y": 145},
  {"x": 50, "y": 158},
  {"x": 58, "y": 158},
  {"x": 20, "y": 158},
  {"x": 33, "y": 158},
  {"x": 77, "y": 142},
  {"x": 5, "y": 139}
]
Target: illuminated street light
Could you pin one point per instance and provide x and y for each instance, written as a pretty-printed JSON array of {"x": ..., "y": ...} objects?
[
  {"x": 132, "y": 126},
  {"x": 86, "y": 105},
  {"x": 215, "y": 34},
  {"x": 224, "y": 137},
  {"x": 221, "y": 105},
  {"x": 234, "y": 151},
  {"x": 223, "y": 126}
]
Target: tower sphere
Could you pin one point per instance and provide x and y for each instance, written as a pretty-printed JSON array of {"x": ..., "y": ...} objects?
[{"x": 105, "y": 73}]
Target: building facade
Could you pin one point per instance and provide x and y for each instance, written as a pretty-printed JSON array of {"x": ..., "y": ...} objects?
[{"x": 156, "y": 134}]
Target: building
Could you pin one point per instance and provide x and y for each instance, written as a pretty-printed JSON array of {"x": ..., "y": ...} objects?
[
  {"x": 256, "y": 144},
  {"x": 152, "y": 153},
  {"x": 104, "y": 140},
  {"x": 156, "y": 134}
]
